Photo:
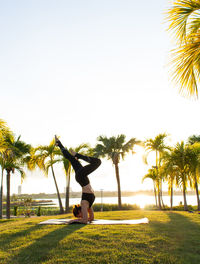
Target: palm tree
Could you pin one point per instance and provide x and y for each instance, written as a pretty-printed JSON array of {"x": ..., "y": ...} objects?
[
  {"x": 1, "y": 188},
  {"x": 171, "y": 176},
  {"x": 194, "y": 167},
  {"x": 115, "y": 148},
  {"x": 184, "y": 19},
  {"x": 4, "y": 130},
  {"x": 67, "y": 168},
  {"x": 13, "y": 159},
  {"x": 11, "y": 166},
  {"x": 169, "y": 171},
  {"x": 158, "y": 146},
  {"x": 180, "y": 160},
  {"x": 152, "y": 174},
  {"x": 45, "y": 158}
]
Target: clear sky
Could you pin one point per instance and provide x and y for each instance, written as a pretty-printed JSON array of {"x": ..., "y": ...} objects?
[{"x": 80, "y": 69}]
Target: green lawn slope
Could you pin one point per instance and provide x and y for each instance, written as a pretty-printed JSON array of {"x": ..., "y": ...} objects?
[{"x": 170, "y": 237}]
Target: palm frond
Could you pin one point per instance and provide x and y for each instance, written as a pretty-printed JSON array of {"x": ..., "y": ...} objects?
[
  {"x": 47, "y": 166},
  {"x": 194, "y": 25},
  {"x": 185, "y": 67},
  {"x": 152, "y": 174},
  {"x": 130, "y": 144},
  {"x": 67, "y": 167},
  {"x": 178, "y": 16},
  {"x": 193, "y": 139},
  {"x": 84, "y": 149},
  {"x": 4, "y": 131}
]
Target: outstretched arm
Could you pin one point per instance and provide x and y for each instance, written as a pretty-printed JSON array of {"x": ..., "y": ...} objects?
[{"x": 91, "y": 214}]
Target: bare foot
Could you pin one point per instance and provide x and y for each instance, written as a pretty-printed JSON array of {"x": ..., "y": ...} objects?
[{"x": 56, "y": 140}]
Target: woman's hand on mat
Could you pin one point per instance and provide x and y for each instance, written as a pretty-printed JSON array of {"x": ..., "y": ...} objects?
[
  {"x": 71, "y": 221},
  {"x": 78, "y": 221}
]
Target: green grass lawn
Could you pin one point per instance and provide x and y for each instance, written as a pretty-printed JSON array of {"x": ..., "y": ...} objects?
[{"x": 170, "y": 237}]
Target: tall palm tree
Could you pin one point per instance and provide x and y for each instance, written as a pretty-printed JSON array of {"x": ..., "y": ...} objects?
[
  {"x": 13, "y": 159},
  {"x": 67, "y": 168},
  {"x": 171, "y": 177},
  {"x": 3, "y": 131},
  {"x": 152, "y": 174},
  {"x": 169, "y": 171},
  {"x": 11, "y": 166},
  {"x": 45, "y": 157},
  {"x": 184, "y": 19},
  {"x": 194, "y": 167},
  {"x": 180, "y": 159},
  {"x": 1, "y": 187},
  {"x": 158, "y": 146},
  {"x": 115, "y": 148}
]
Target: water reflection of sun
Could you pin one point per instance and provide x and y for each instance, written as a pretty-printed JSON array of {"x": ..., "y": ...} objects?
[{"x": 141, "y": 200}]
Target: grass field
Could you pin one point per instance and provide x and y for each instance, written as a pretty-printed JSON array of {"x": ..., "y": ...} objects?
[{"x": 170, "y": 237}]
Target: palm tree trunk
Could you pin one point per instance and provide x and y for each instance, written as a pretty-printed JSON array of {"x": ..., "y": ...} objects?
[
  {"x": 158, "y": 183},
  {"x": 1, "y": 196},
  {"x": 197, "y": 193},
  {"x": 159, "y": 200},
  {"x": 184, "y": 198},
  {"x": 58, "y": 193},
  {"x": 8, "y": 195},
  {"x": 118, "y": 185},
  {"x": 171, "y": 198},
  {"x": 161, "y": 196},
  {"x": 67, "y": 195},
  {"x": 155, "y": 193}
]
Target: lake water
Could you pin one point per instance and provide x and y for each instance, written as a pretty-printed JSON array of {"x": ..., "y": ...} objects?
[{"x": 141, "y": 200}]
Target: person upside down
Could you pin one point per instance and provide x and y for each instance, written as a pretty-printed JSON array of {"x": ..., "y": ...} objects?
[{"x": 84, "y": 213}]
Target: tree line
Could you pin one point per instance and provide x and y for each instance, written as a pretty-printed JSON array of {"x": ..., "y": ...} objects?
[
  {"x": 16, "y": 156},
  {"x": 178, "y": 165}
]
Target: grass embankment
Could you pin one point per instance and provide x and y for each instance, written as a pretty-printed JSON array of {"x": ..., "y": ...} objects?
[{"x": 170, "y": 237}]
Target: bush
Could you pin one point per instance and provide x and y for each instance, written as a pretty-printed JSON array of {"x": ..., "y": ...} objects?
[
  {"x": 181, "y": 208},
  {"x": 150, "y": 207},
  {"x": 114, "y": 207},
  {"x": 167, "y": 208},
  {"x": 39, "y": 211},
  {"x": 15, "y": 210},
  {"x": 50, "y": 211}
]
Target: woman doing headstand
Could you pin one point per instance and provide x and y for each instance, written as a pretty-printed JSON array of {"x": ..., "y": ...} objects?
[{"x": 81, "y": 176}]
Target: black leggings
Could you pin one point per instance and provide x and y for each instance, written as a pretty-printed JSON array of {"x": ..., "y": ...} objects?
[{"x": 81, "y": 172}]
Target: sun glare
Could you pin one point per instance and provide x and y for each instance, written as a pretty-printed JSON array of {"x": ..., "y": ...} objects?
[{"x": 142, "y": 200}]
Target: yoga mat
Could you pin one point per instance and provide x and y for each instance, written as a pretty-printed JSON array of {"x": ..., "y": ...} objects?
[{"x": 98, "y": 222}]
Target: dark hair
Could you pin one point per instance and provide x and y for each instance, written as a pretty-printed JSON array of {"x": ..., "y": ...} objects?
[{"x": 76, "y": 210}]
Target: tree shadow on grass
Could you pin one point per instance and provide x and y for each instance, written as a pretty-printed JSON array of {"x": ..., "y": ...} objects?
[
  {"x": 179, "y": 238},
  {"x": 39, "y": 250},
  {"x": 5, "y": 220},
  {"x": 7, "y": 238}
]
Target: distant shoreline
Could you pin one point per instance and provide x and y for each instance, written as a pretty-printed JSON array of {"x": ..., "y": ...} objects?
[{"x": 97, "y": 194}]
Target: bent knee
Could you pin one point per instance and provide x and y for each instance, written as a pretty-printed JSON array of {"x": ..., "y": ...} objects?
[{"x": 98, "y": 162}]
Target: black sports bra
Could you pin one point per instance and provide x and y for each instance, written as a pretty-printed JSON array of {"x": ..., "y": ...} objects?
[{"x": 90, "y": 197}]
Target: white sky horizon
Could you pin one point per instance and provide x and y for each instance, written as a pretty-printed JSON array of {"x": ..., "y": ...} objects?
[{"x": 81, "y": 69}]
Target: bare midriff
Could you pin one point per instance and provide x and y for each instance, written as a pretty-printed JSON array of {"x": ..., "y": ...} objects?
[{"x": 87, "y": 189}]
